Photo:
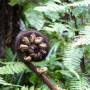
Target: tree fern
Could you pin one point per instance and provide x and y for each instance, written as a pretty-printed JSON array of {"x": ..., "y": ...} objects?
[
  {"x": 12, "y": 68},
  {"x": 57, "y": 18}
]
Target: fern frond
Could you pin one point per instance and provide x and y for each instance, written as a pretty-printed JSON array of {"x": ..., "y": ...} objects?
[
  {"x": 56, "y": 27},
  {"x": 83, "y": 39},
  {"x": 59, "y": 29},
  {"x": 12, "y": 68},
  {"x": 86, "y": 31},
  {"x": 5, "y": 83},
  {"x": 53, "y": 50},
  {"x": 58, "y": 8},
  {"x": 72, "y": 58},
  {"x": 81, "y": 84}
]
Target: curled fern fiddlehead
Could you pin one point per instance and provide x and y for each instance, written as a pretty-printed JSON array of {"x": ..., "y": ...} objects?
[
  {"x": 31, "y": 42},
  {"x": 31, "y": 45}
]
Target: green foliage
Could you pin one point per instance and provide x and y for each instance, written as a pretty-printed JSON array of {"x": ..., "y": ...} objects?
[
  {"x": 81, "y": 84},
  {"x": 52, "y": 52},
  {"x": 15, "y": 2},
  {"x": 9, "y": 55},
  {"x": 5, "y": 83},
  {"x": 12, "y": 68},
  {"x": 67, "y": 25},
  {"x": 72, "y": 58},
  {"x": 36, "y": 21},
  {"x": 33, "y": 88},
  {"x": 26, "y": 88}
]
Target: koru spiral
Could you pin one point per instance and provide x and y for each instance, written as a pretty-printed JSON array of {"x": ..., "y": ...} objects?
[{"x": 31, "y": 46}]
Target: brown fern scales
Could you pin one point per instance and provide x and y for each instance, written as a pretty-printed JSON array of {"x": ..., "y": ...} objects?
[{"x": 31, "y": 46}]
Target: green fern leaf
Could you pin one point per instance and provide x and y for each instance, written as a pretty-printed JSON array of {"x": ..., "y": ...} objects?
[
  {"x": 83, "y": 38},
  {"x": 35, "y": 19},
  {"x": 13, "y": 67},
  {"x": 72, "y": 58},
  {"x": 5, "y": 83},
  {"x": 81, "y": 84}
]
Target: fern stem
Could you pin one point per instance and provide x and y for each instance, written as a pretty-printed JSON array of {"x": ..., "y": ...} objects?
[{"x": 42, "y": 76}]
